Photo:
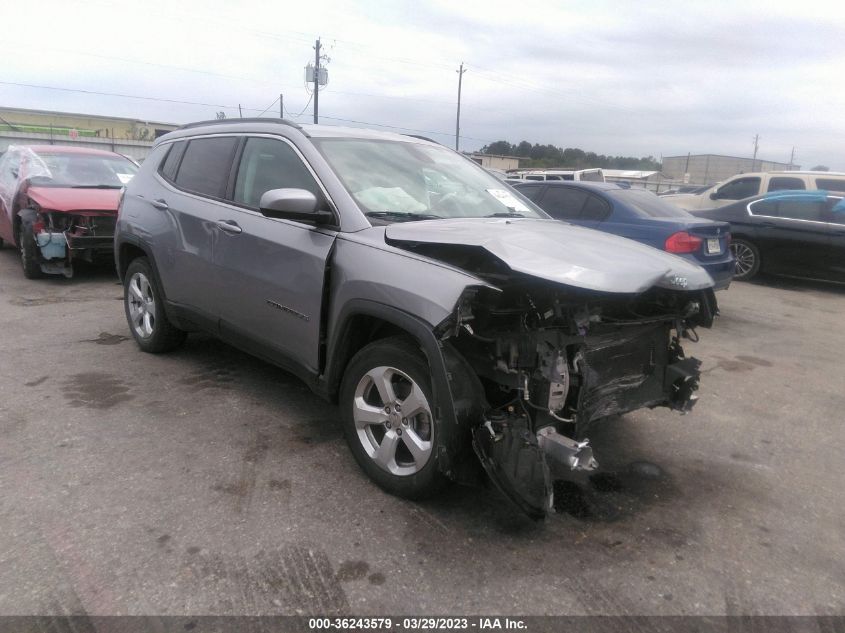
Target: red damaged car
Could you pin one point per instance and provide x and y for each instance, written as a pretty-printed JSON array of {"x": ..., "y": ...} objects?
[{"x": 59, "y": 204}]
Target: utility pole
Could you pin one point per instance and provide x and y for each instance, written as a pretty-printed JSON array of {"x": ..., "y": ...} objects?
[
  {"x": 792, "y": 159},
  {"x": 240, "y": 112},
  {"x": 754, "y": 160},
  {"x": 460, "y": 72},
  {"x": 316, "y": 80},
  {"x": 281, "y": 106}
]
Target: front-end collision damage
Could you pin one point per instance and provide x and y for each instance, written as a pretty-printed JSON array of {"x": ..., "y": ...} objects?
[{"x": 552, "y": 360}]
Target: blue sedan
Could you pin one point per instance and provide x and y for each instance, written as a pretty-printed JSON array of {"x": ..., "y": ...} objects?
[{"x": 639, "y": 215}]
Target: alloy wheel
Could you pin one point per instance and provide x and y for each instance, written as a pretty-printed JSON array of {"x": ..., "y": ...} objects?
[
  {"x": 745, "y": 258},
  {"x": 393, "y": 421},
  {"x": 142, "y": 306}
]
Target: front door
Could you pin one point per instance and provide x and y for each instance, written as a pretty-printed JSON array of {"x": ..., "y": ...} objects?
[{"x": 271, "y": 271}]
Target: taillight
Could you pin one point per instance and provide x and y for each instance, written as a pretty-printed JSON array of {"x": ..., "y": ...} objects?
[{"x": 682, "y": 242}]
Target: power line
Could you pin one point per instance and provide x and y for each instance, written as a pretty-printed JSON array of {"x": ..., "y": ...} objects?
[
  {"x": 125, "y": 96},
  {"x": 296, "y": 116},
  {"x": 232, "y": 107},
  {"x": 275, "y": 101}
]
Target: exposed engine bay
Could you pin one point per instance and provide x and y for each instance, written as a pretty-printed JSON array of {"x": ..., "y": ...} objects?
[{"x": 553, "y": 359}]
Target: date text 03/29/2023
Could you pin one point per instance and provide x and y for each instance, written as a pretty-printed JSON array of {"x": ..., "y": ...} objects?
[{"x": 417, "y": 624}]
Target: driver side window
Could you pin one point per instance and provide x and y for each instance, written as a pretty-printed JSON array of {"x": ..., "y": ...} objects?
[{"x": 270, "y": 164}]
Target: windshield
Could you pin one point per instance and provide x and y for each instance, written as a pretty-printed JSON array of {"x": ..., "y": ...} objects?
[
  {"x": 84, "y": 171},
  {"x": 395, "y": 181},
  {"x": 646, "y": 204}
]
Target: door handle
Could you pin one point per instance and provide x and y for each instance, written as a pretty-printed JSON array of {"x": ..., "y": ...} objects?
[
  {"x": 160, "y": 204},
  {"x": 230, "y": 226}
]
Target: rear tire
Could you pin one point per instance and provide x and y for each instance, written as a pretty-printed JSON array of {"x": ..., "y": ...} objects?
[
  {"x": 747, "y": 257},
  {"x": 143, "y": 303},
  {"x": 29, "y": 251},
  {"x": 396, "y": 448}
]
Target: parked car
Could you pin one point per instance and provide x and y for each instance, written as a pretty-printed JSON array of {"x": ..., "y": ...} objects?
[
  {"x": 592, "y": 175},
  {"x": 444, "y": 312},
  {"x": 799, "y": 233},
  {"x": 58, "y": 204},
  {"x": 639, "y": 215},
  {"x": 744, "y": 186},
  {"x": 694, "y": 189}
]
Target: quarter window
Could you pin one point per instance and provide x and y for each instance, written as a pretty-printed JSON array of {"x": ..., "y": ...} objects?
[
  {"x": 595, "y": 209},
  {"x": 739, "y": 189},
  {"x": 171, "y": 163},
  {"x": 836, "y": 207},
  {"x": 532, "y": 192},
  {"x": 206, "y": 164},
  {"x": 270, "y": 164}
]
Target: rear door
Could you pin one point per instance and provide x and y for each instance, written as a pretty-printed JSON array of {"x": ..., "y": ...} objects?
[
  {"x": 792, "y": 234},
  {"x": 271, "y": 271},
  {"x": 199, "y": 172},
  {"x": 836, "y": 217}
]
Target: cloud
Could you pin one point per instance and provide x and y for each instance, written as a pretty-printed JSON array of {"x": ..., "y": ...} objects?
[{"x": 636, "y": 78}]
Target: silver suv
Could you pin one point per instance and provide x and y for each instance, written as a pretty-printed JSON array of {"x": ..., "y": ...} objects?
[{"x": 443, "y": 311}]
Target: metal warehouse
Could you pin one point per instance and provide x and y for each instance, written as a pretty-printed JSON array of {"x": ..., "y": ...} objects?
[{"x": 705, "y": 169}]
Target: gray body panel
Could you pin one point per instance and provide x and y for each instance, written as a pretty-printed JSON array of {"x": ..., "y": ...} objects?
[
  {"x": 270, "y": 279},
  {"x": 562, "y": 253},
  {"x": 364, "y": 267}
]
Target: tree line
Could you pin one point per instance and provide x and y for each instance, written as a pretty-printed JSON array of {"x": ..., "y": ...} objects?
[{"x": 538, "y": 155}]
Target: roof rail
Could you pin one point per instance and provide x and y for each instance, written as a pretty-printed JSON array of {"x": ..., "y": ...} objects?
[
  {"x": 188, "y": 126},
  {"x": 422, "y": 138}
]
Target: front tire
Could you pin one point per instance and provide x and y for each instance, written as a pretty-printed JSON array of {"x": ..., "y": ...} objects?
[
  {"x": 144, "y": 306},
  {"x": 747, "y": 257},
  {"x": 388, "y": 420},
  {"x": 29, "y": 251}
]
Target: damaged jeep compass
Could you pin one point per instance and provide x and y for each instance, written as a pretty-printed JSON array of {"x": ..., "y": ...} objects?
[{"x": 452, "y": 320}]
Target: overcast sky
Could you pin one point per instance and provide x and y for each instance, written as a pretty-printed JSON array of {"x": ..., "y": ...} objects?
[{"x": 630, "y": 78}]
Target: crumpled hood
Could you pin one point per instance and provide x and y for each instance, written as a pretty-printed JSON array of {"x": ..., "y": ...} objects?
[
  {"x": 70, "y": 199},
  {"x": 560, "y": 252}
]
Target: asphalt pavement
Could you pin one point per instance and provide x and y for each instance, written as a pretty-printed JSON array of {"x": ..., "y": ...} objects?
[{"x": 208, "y": 482}]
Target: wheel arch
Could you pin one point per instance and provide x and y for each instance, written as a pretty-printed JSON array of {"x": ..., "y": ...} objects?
[
  {"x": 458, "y": 399},
  {"x": 127, "y": 250}
]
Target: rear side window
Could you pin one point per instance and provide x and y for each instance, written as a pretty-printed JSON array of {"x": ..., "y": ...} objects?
[
  {"x": 790, "y": 209},
  {"x": 739, "y": 189},
  {"x": 270, "y": 164},
  {"x": 595, "y": 209},
  {"x": 781, "y": 183},
  {"x": 532, "y": 192},
  {"x": 830, "y": 184},
  {"x": 563, "y": 203},
  {"x": 171, "y": 162},
  {"x": 206, "y": 164},
  {"x": 836, "y": 210}
]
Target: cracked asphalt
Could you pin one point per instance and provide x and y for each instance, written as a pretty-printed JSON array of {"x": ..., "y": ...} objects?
[{"x": 208, "y": 482}]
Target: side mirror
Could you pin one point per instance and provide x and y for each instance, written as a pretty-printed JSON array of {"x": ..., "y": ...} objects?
[
  {"x": 714, "y": 195},
  {"x": 299, "y": 205}
]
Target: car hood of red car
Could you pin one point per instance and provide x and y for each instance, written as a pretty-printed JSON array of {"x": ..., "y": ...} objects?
[{"x": 66, "y": 199}]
